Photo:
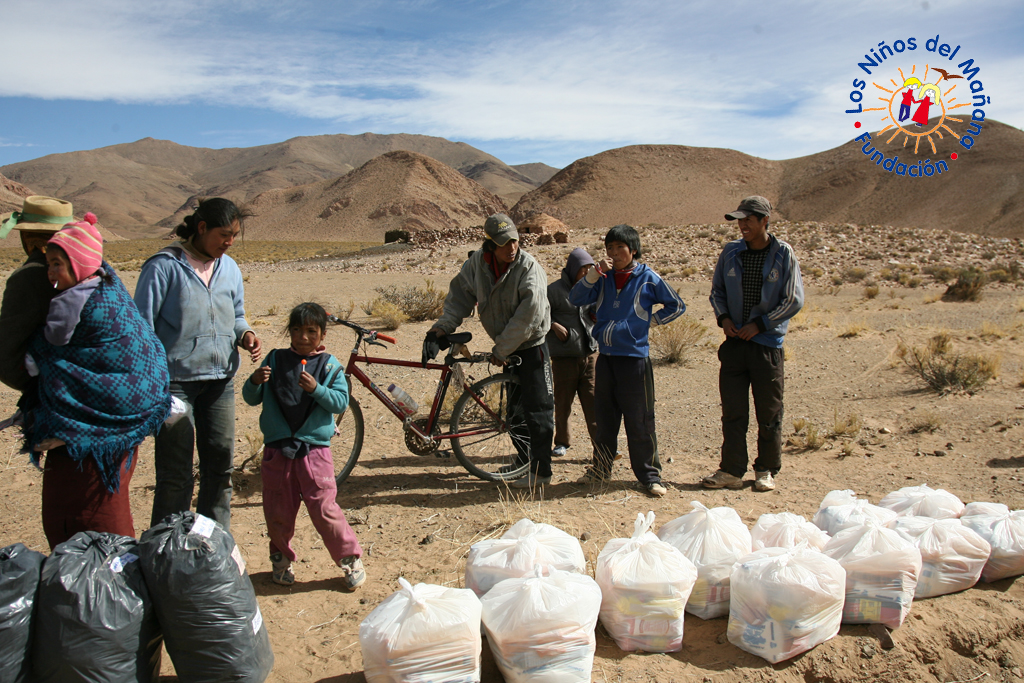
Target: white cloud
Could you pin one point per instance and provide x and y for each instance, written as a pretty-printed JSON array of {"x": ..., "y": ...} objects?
[{"x": 766, "y": 79}]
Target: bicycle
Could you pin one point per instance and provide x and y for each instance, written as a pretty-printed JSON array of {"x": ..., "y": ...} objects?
[{"x": 488, "y": 436}]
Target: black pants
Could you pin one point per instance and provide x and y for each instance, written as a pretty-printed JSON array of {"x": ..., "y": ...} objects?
[
  {"x": 748, "y": 366},
  {"x": 624, "y": 392},
  {"x": 533, "y": 396}
]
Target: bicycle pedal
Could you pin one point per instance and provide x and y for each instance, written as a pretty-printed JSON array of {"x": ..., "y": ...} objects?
[{"x": 443, "y": 454}]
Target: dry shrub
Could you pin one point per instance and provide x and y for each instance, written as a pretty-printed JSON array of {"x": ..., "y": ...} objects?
[
  {"x": 391, "y": 316},
  {"x": 848, "y": 425},
  {"x": 941, "y": 343},
  {"x": 967, "y": 287},
  {"x": 799, "y": 425},
  {"x": 871, "y": 291},
  {"x": 417, "y": 303},
  {"x": 811, "y": 440},
  {"x": 674, "y": 341},
  {"x": 941, "y": 274},
  {"x": 925, "y": 421},
  {"x": 932, "y": 298},
  {"x": 947, "y": 372},
  {"x": 815, "y": 271}
]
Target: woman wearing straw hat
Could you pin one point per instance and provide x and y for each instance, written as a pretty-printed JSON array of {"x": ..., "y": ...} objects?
[{"x": 28, "y": 292}]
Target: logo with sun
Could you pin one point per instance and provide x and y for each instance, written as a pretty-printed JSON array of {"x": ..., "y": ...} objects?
[{"x": 912, "y": 103}]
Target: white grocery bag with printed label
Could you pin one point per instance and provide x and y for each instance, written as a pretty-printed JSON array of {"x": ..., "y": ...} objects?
[
  {"x": 645, "y": 584},
  {"x": 952, "y": 555},
  {"x": 842, "y": 509},
  {"x": 541, "y": 627},
  {"x": 423, "y": 633},
  {"x": 524, "y": 546},
  {"x": 714, "y": 539},
  {"x": 1004, "y": 531},
  {"x": 882, "y": 568},
  {"x": 786, "y": 530},
  {"x": 785, "y": 601},
  {"x": 923, "y": 501}
]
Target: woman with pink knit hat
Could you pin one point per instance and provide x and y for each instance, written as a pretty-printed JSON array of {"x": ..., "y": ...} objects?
[{"x": 103, "y": 389}]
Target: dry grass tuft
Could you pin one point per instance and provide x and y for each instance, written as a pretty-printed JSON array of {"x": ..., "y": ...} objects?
[
  {"x": 871, "y": 291},
  {"x": 391, "y": 316},
  {"x": 848, "y": 425},
  {"x": 925, "y": 421},
  {"x": 990, "y": 331},
  {"x": 940, "y": 343},
  {"x": 852, "y": 329},
  {"x": 674, "y": 342},
  {"x": 948, "y": 372}
]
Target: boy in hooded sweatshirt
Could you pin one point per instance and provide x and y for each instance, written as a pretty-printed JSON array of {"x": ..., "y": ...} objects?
[
  {"x": 625, "y": 293},
  {"x": 573, "y": 351}
]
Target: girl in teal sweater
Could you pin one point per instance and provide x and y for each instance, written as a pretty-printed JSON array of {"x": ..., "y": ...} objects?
[{"x": 302, "y": 388}]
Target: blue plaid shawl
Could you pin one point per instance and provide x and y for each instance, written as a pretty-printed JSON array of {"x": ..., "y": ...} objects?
[{"x": 108, "y": 388}]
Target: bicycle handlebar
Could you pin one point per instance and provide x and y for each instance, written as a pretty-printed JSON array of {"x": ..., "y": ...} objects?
[
  {"x": 390, "y": 340},
  {"x": 372, "y": 335}
]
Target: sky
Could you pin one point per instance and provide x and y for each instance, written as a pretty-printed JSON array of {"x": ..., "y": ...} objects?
[{"x": 527, "y": 81}]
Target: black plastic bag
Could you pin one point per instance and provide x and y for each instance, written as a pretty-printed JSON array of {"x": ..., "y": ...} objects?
[
  {"x": 19, "y": 581},
  {"x": 213, "y": 628},
  {"x": 94, "y": 618}
]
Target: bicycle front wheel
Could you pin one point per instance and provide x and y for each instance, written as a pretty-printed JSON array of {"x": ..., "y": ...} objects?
[
  {"x": 495, "y": 445},
  {"x": 348, "y": 442}
]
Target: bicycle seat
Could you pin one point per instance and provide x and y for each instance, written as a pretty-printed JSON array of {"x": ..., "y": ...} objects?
[{"x": 458, "y": 338}]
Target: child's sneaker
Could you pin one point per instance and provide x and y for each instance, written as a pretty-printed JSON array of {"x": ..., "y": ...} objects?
[
  {"x": 352, "y": 573},
  {"x": 530, "y": 482},
  {"x": 282, "y": 572},
  {"x": 764, "y": 481},
  {"x": 594, "y": 476},
  {"x": 722, "y": 480},
  {"x": 559, "y": 451},
  {"x": 655, "y": 489}
]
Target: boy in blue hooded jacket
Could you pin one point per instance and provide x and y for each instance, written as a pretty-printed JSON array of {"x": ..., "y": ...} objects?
[{"x": 625, "y": 293}]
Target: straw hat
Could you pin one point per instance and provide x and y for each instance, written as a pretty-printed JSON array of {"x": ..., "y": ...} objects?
[{"x": 43, "y": 214}]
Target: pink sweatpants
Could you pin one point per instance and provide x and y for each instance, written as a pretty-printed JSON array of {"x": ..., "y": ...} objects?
[{"x": 310, "y": 479}]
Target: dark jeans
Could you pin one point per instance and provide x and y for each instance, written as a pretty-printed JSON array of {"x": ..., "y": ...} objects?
[
  {"x": 624, "y": 393},
  {"x": 533, "y": 397},
  {"x": 748, "y": 366},
  {"x": 573, "y": 377},
  {"x": 210, "y": 430}
]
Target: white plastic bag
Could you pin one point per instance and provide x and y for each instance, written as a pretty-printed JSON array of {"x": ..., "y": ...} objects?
[
  {"x": 524, "y": 546},
  {"x": 842, "y": 509},
  {"x": 785, "y": 601},
  {"x": 952, "y": 555},
  {"x": 923, "y": 501},
  {"x": 786, "y": 530},
  {"x": 881, "y": 574},
  {"x": 179, "y": 409},
  {"x": 541, "y": 627},
  {"x": 423, "y": 633},
  {"x": 1004, "y": 531},
  {"x": 714, "y": 540},
  {"x": 645, "y": 584}
]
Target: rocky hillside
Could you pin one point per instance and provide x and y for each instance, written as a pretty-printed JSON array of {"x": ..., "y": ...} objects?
[{"x": 395, "y": 191}]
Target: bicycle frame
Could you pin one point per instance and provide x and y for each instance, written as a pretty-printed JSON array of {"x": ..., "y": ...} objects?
[{"x": 352, "y": 370}]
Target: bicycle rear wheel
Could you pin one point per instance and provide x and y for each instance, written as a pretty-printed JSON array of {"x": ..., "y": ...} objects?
[
  {"x": 349, "y": 442},
  {"x": 496, "y": 446}
]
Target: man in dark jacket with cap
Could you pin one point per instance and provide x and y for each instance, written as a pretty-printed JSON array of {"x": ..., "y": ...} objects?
[
  {"x": 573, "y": 350},
  {"x": 755, "y": 290}
]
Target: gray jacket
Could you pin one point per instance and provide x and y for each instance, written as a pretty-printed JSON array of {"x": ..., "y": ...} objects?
[
  {"x": 575, "y": 319},
  {"x": 513, "y": 310}
]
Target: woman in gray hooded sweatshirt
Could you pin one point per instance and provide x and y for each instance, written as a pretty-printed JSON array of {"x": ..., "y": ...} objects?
[{"x": 573, "y": 350}]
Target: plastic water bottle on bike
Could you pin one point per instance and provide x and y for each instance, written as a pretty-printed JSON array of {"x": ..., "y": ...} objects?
[{"x": 407, "y": 403}]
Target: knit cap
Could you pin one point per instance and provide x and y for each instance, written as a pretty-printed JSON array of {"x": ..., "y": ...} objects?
[{"x": 83, "y": 245}]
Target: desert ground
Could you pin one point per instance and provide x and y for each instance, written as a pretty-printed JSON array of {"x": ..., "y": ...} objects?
[{"x": 881, "y": 428}]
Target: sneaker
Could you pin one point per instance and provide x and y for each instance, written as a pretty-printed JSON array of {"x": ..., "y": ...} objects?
[
  {"x": 352, "y": 573},
  {"x": 530, "y": 482},
  {"x": 764, "y": 481},
  {"x": 559, "y": 451},
  {"x": 656, "y": 490},
  {"x": 722, "y": 480},
  {"x": 594, "y": 476},
  {"x": 282, "y": 572}
]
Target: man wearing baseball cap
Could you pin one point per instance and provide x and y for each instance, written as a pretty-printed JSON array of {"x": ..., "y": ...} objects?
[
  {"x": 509, "y": 288},
  {"x": 755, "y": 290},
  {"x": 28, "y": 292}
]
